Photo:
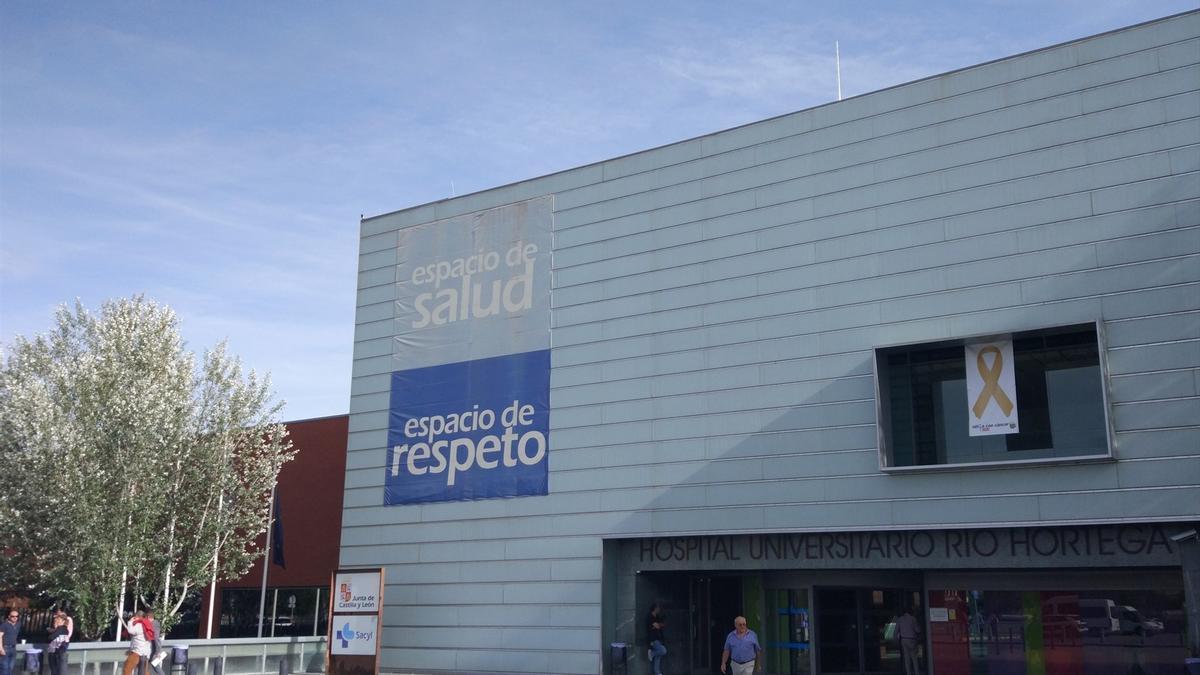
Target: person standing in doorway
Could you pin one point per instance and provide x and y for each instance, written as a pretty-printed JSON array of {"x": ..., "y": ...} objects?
[
  {"x": 909, "y": 631},
  {"x": 655, "y": 624},
  {"x": 9, "y": 629},
  {"x": 743, "y": 649}
]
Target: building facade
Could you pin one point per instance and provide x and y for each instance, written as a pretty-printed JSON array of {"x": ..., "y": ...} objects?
[
  {"x": 309, "y": 522},
  {"x": 934, "y": 348}
]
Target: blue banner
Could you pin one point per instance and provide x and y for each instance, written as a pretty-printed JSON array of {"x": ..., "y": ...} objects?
[{"x": 470, "y": 430}]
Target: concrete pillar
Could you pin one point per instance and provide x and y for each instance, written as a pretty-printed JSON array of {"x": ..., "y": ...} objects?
[{"x": 1189, "y": 557}]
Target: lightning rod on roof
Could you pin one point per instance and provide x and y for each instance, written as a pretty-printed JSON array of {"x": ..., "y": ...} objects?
[{"x": 837, "y": 55}]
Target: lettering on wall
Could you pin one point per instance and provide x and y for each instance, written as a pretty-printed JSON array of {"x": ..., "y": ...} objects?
[
  {"x": 1134, "y": 543},
  {"x": 469, "y": 296}
]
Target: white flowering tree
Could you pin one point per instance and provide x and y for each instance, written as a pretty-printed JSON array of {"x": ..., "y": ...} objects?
[{"x": 130, "y": 470}]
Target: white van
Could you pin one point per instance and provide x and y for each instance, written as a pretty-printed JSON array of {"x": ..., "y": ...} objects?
[
  {"x": 1100, "y": 616},
  {"x": 1133, "y": 623}
]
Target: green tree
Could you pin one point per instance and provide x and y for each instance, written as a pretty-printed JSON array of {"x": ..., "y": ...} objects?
[{"x": 132, "y": 470}]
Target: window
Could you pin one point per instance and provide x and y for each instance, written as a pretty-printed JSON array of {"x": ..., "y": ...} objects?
[
  {"x": 925, "y": 416},
  {"x": 289, "y": 611},
  {"x": 1069, "y": 630}
]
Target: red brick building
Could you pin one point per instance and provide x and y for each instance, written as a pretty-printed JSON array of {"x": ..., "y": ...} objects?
[{"x": 310, "y": 511}]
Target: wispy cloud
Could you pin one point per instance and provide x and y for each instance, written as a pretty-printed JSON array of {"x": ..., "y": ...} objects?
[{"x": 216, "y": 157}]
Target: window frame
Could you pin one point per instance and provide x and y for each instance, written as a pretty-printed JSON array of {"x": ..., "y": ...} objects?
[{"x": 883, "y": 407}]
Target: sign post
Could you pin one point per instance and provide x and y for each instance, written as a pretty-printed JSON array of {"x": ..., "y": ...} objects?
[{"x": 355, "y": 619}]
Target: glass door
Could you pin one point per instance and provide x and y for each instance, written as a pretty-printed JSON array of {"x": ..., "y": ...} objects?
[
  {"x": 714, "y": 602},
  {"x": 838, "y": 630},
  {"x": 880, "y": 607},
  {"x": 787, "y": 632},
  {"x": 852, "y": 629},
  {"x": 700, "y": 591}
]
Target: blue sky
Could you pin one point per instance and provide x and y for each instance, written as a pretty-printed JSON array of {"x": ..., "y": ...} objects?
[{"x": 217, "y": 156}]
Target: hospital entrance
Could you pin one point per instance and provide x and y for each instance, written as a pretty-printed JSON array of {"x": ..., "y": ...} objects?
[{"x": 832, "y": 623}]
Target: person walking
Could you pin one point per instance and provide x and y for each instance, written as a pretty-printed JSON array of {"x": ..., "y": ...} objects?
[
  {"x": 139, "y": 647},
  {"x": 909, "y": 631},
  {"x": 56, "y": 649},
  {"x": 743, "y": 649},
  {"x": 9, "y": 629},
  {"x": 655, "y": 623}
]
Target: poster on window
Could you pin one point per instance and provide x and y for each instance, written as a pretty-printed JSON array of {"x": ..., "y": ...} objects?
[{"x": 991, "y": 387}]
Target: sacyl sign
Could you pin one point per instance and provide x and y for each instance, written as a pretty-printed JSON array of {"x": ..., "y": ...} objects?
[{"x": 355, "y": 635}]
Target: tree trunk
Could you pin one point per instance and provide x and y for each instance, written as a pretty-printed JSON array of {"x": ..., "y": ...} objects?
[
  {"x": 121, "y": 604},
  {"x": 165, "y": 601},
  {"x": 212, "y": 590}
]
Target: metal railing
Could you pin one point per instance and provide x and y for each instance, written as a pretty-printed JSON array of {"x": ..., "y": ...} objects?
[{"x": 235, "y": 656}]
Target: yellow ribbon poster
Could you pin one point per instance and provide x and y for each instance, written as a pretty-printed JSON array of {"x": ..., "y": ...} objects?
[{"x": 991, "y": 387}]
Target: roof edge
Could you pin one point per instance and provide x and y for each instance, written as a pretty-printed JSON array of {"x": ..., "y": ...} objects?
[{"x": 780, "y": 116}]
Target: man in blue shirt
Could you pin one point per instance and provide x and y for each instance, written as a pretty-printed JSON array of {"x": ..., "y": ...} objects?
[
  {"x": 9, "y": 629},
  {"x": 741, "y": 647}
]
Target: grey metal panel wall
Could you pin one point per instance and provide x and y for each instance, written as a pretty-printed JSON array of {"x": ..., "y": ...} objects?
[{"x": 716, "y": 302}]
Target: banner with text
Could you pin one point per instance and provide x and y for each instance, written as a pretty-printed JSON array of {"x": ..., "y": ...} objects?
[
  {"x": 470, "y": 394},
  {"x": 473, "y": 430},
  {"x": 991, "y": 387},
  {"x": 474, "y": 286}
]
